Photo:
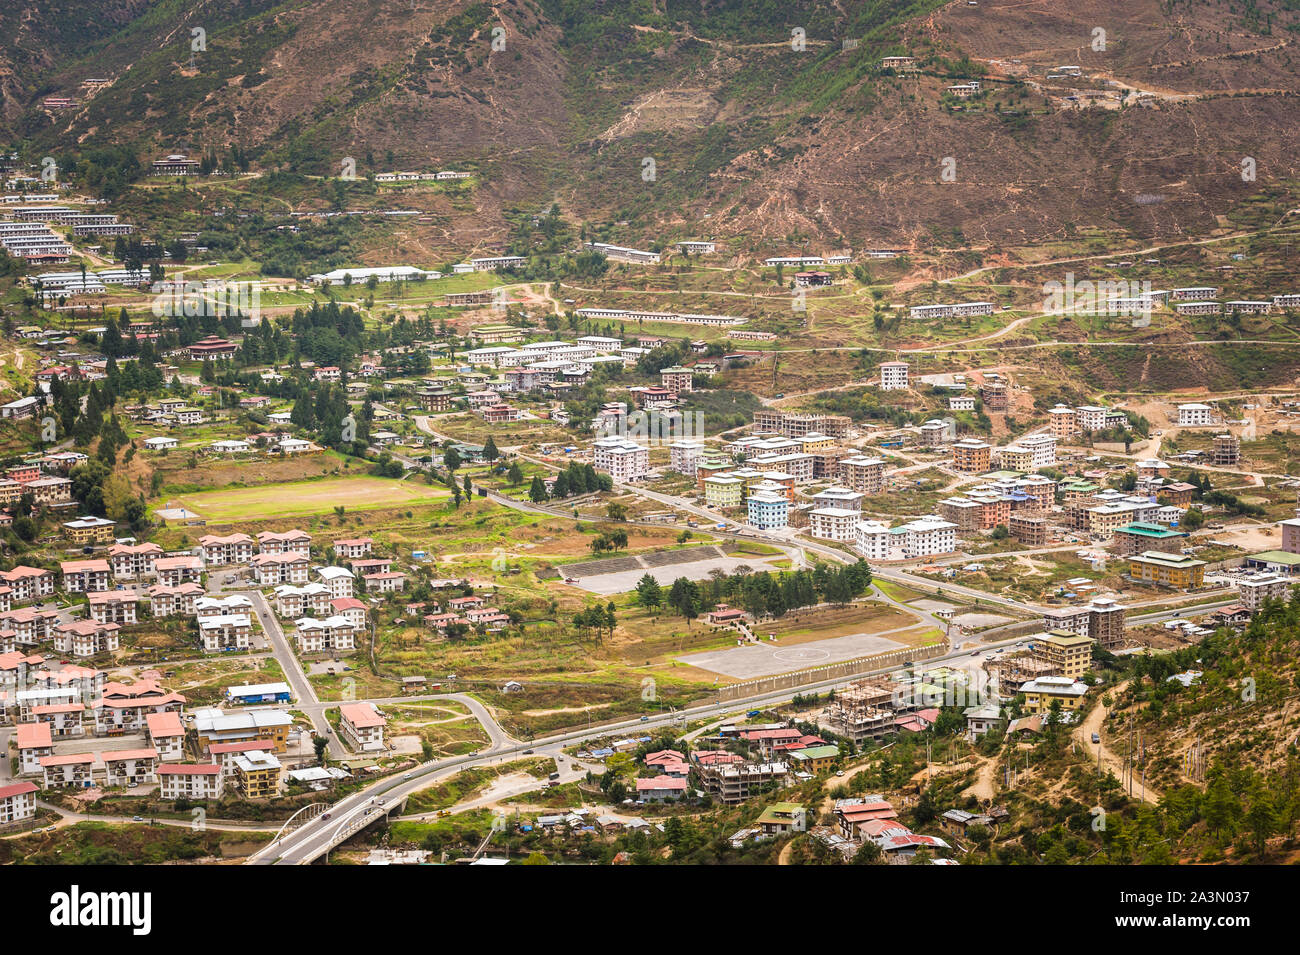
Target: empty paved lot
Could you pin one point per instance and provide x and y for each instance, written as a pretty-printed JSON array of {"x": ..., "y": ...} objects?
[
  {"x": 623, "y": 581},
  {"x": 768, "y": 659}
]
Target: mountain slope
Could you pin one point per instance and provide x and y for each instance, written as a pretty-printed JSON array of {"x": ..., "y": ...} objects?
[{"x": 774, "y": 144}]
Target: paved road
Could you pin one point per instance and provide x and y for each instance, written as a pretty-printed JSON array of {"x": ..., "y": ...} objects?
[{"x": 313, "y": 839}]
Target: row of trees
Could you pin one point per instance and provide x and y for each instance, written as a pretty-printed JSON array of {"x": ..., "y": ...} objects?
[{"x": 759, "y": 594}]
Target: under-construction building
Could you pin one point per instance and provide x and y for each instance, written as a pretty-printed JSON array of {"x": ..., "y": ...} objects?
[
  {"x": 735, "y": 782},
  {"x": 863, "y": 710},
  {"x": 993, "y": 395},
  {"x": 1226, "y": 452}
]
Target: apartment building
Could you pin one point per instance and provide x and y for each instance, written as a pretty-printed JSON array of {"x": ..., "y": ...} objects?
[
  {"x": 225, "y": 631},
  {"x": 971, "y": 456},
  {"x": 834, "y": 523},
  {"x": 133, "y": 561},
  {"x": 893, "y": 375},
  {"x": 68, "y": 771},
  {"x": 270, "y": 570},
  {"x": 1028, "y": 529},
  {"x": 683, "y": 456},
  {"x": 179, "y": 569},
  {"x": 129, "y": 767},
  {"x": 331, "y": 634},
  {"x": 351, "y": 609},
  {"x": 1135, "y": 538},
  {"x": 723, "y": 491},
  {"x": 927, "y": 537},
  {"x": 734, "y": 782},
  {"x": 33, "y": 740},
  {"x": 166, "y": 733},
  {"x": 124, "y": 708},
  {"x": 1290, "y": 528},
  {"x": 287, "y": 542},
  {"x": 1255, "y": 591},
  {"x": 267, "y": 729},
  {"x": 962, "y": 512},
  {"x": 86, "y": 638},
  {"x": 1067, "y": 654},
  {"x": 338, "y": 580},
  {"x": 863, "y": 474},
  {"x": 88, "y": 530},
  {"x": 621, "y": 459},
  {"x": 1195, "y": 415},
  {"x": 66, "y": 720},
  {"x": 1065, "y": 421},
  {"x": 768, "y": 509},
  {"x": 174, "y": 601},
  {"x": 258, "y": 774},
  {"x": 304, "y": 601},
  {"x": 112, "y": 607},
  {"x": 354, "y": 548},
  {"x": 362, "y": 725},
  {"x": 384, "y": 582},
  {"x": 873, "y": 540},
  {"x": 1177, "y": 571},
  {"x": 85, "y": 576},
  {"x": 28, "y": 625},
  {"x": 190, "y": 781},
  {"x": 836, "y": 496},
  {"x": 1040, "y": 694},
  {"x": 219, "y": 551},
  {"x": 17, "y": 803}
]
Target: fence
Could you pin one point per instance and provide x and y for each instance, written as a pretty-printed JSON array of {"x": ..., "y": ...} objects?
[{"x": 831, "y": 671}]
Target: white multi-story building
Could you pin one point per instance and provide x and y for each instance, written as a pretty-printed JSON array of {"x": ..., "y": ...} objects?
[
  {"x": 332, "y": 633},
  {"x": 192, "y": 781},
  {"x": 834, "y": 523},
  {"x": 288, "y": 542},
  {"x": 85, "y": 638},
  {"x": 17, "y": 803},
  {"x": 1195, "y": 415},
  {"x": 684, "y": 456},
  {"x": 873, "y": 540},
  {"x": 1043, "y": 448},
  {"x": 307, "y": 600},
  {"x": 951, "y": 310},
  {"x": 928, "y": 536},
  {"x": 1091, "y": 417},
  {"x": 1254, "y": 591},
  {"x": 362, "y": 725},
  {"x": 229, "y": 631},
  {"x": 339, "y": 580},
  {"x": 353, "y": 548},
  {"x": 130, "y": 561},
  {"x": 233, "y": 549},
  {"x": 621, "y": 459},
  {"x": 270, "y": 570},
  {"x": 893, "y": 375}
]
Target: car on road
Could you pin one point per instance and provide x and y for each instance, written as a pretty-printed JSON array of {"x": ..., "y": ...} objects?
[
  {"x": 1096, "y": 737},
  {"x": 137, "y": 819},
  {"x": 570, "y": 580},
  {"x": 529, "y": 752},
  {"x": 406, "y": 776},
  {"x": 645, "y": 719},
  {"x": 839, "y": 772},
  {"x": 326, "y": 815}
]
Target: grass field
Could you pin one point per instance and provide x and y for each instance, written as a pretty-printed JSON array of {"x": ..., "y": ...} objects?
[{"x": 307, "y": 498}]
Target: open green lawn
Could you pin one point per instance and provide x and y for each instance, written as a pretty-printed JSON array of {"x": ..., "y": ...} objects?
[{"x": 306, "y": 498}]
